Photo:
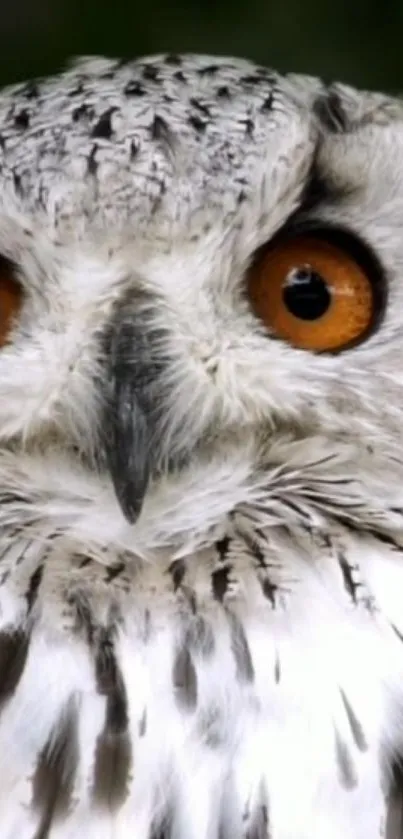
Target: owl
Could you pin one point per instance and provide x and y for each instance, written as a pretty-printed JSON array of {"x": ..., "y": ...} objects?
[{"x": 201, "y": 459}]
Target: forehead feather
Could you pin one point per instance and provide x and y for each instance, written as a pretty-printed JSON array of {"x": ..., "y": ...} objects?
[{"x": 165, "y": 145}]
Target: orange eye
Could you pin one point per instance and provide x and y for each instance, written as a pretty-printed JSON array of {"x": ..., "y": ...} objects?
[
  {"x": 10, "y": 299},
  {"x": 313, "y": 293}
]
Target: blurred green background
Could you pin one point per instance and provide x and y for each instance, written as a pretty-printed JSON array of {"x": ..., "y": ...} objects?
[{"x": 351, "y": 40}]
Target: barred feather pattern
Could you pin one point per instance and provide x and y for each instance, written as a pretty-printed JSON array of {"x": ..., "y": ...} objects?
[{"x": 187, "y": 691}]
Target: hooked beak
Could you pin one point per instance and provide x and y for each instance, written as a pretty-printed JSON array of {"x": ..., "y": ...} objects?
[{"x": 132, "y": 401}]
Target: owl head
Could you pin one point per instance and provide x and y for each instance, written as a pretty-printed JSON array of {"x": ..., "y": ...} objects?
[{"x": 201, "y": 260}]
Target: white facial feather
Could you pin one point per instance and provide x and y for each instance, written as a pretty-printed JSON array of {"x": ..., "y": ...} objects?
[{"x": 226, "y": 659}]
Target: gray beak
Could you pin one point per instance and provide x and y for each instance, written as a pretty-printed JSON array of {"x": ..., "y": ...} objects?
[{"x": 132, "y": 398}]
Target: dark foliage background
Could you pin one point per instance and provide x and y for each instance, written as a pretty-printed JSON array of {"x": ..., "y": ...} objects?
[{"x": 352, "y": 40}]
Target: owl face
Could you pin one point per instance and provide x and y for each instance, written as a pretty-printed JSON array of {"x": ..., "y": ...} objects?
[{"x": 198, "y": 251}]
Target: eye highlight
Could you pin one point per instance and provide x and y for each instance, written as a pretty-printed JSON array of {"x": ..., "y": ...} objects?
[
  {"x": 315, "y": 292},
  {"x": 10, "y": 299}
]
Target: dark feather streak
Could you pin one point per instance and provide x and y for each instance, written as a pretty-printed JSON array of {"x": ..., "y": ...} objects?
[
  {"x": 347, "y": 773},
  {"x": 14, "y": 647},
  {"x": 220, "y": 581},
  {"x": 184, "y": 679},
  {"x": 53, "y": 781},
  {"x": 113, "y": 753},
  {"x": 355, "y": 725},
  {"x": 33, "y": 587},
  {"x": 349, "y": 583},
  {"x": 241, "y": 651}
]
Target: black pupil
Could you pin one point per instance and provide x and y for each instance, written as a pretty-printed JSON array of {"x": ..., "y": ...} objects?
[{"x": 306, "y": 294}]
